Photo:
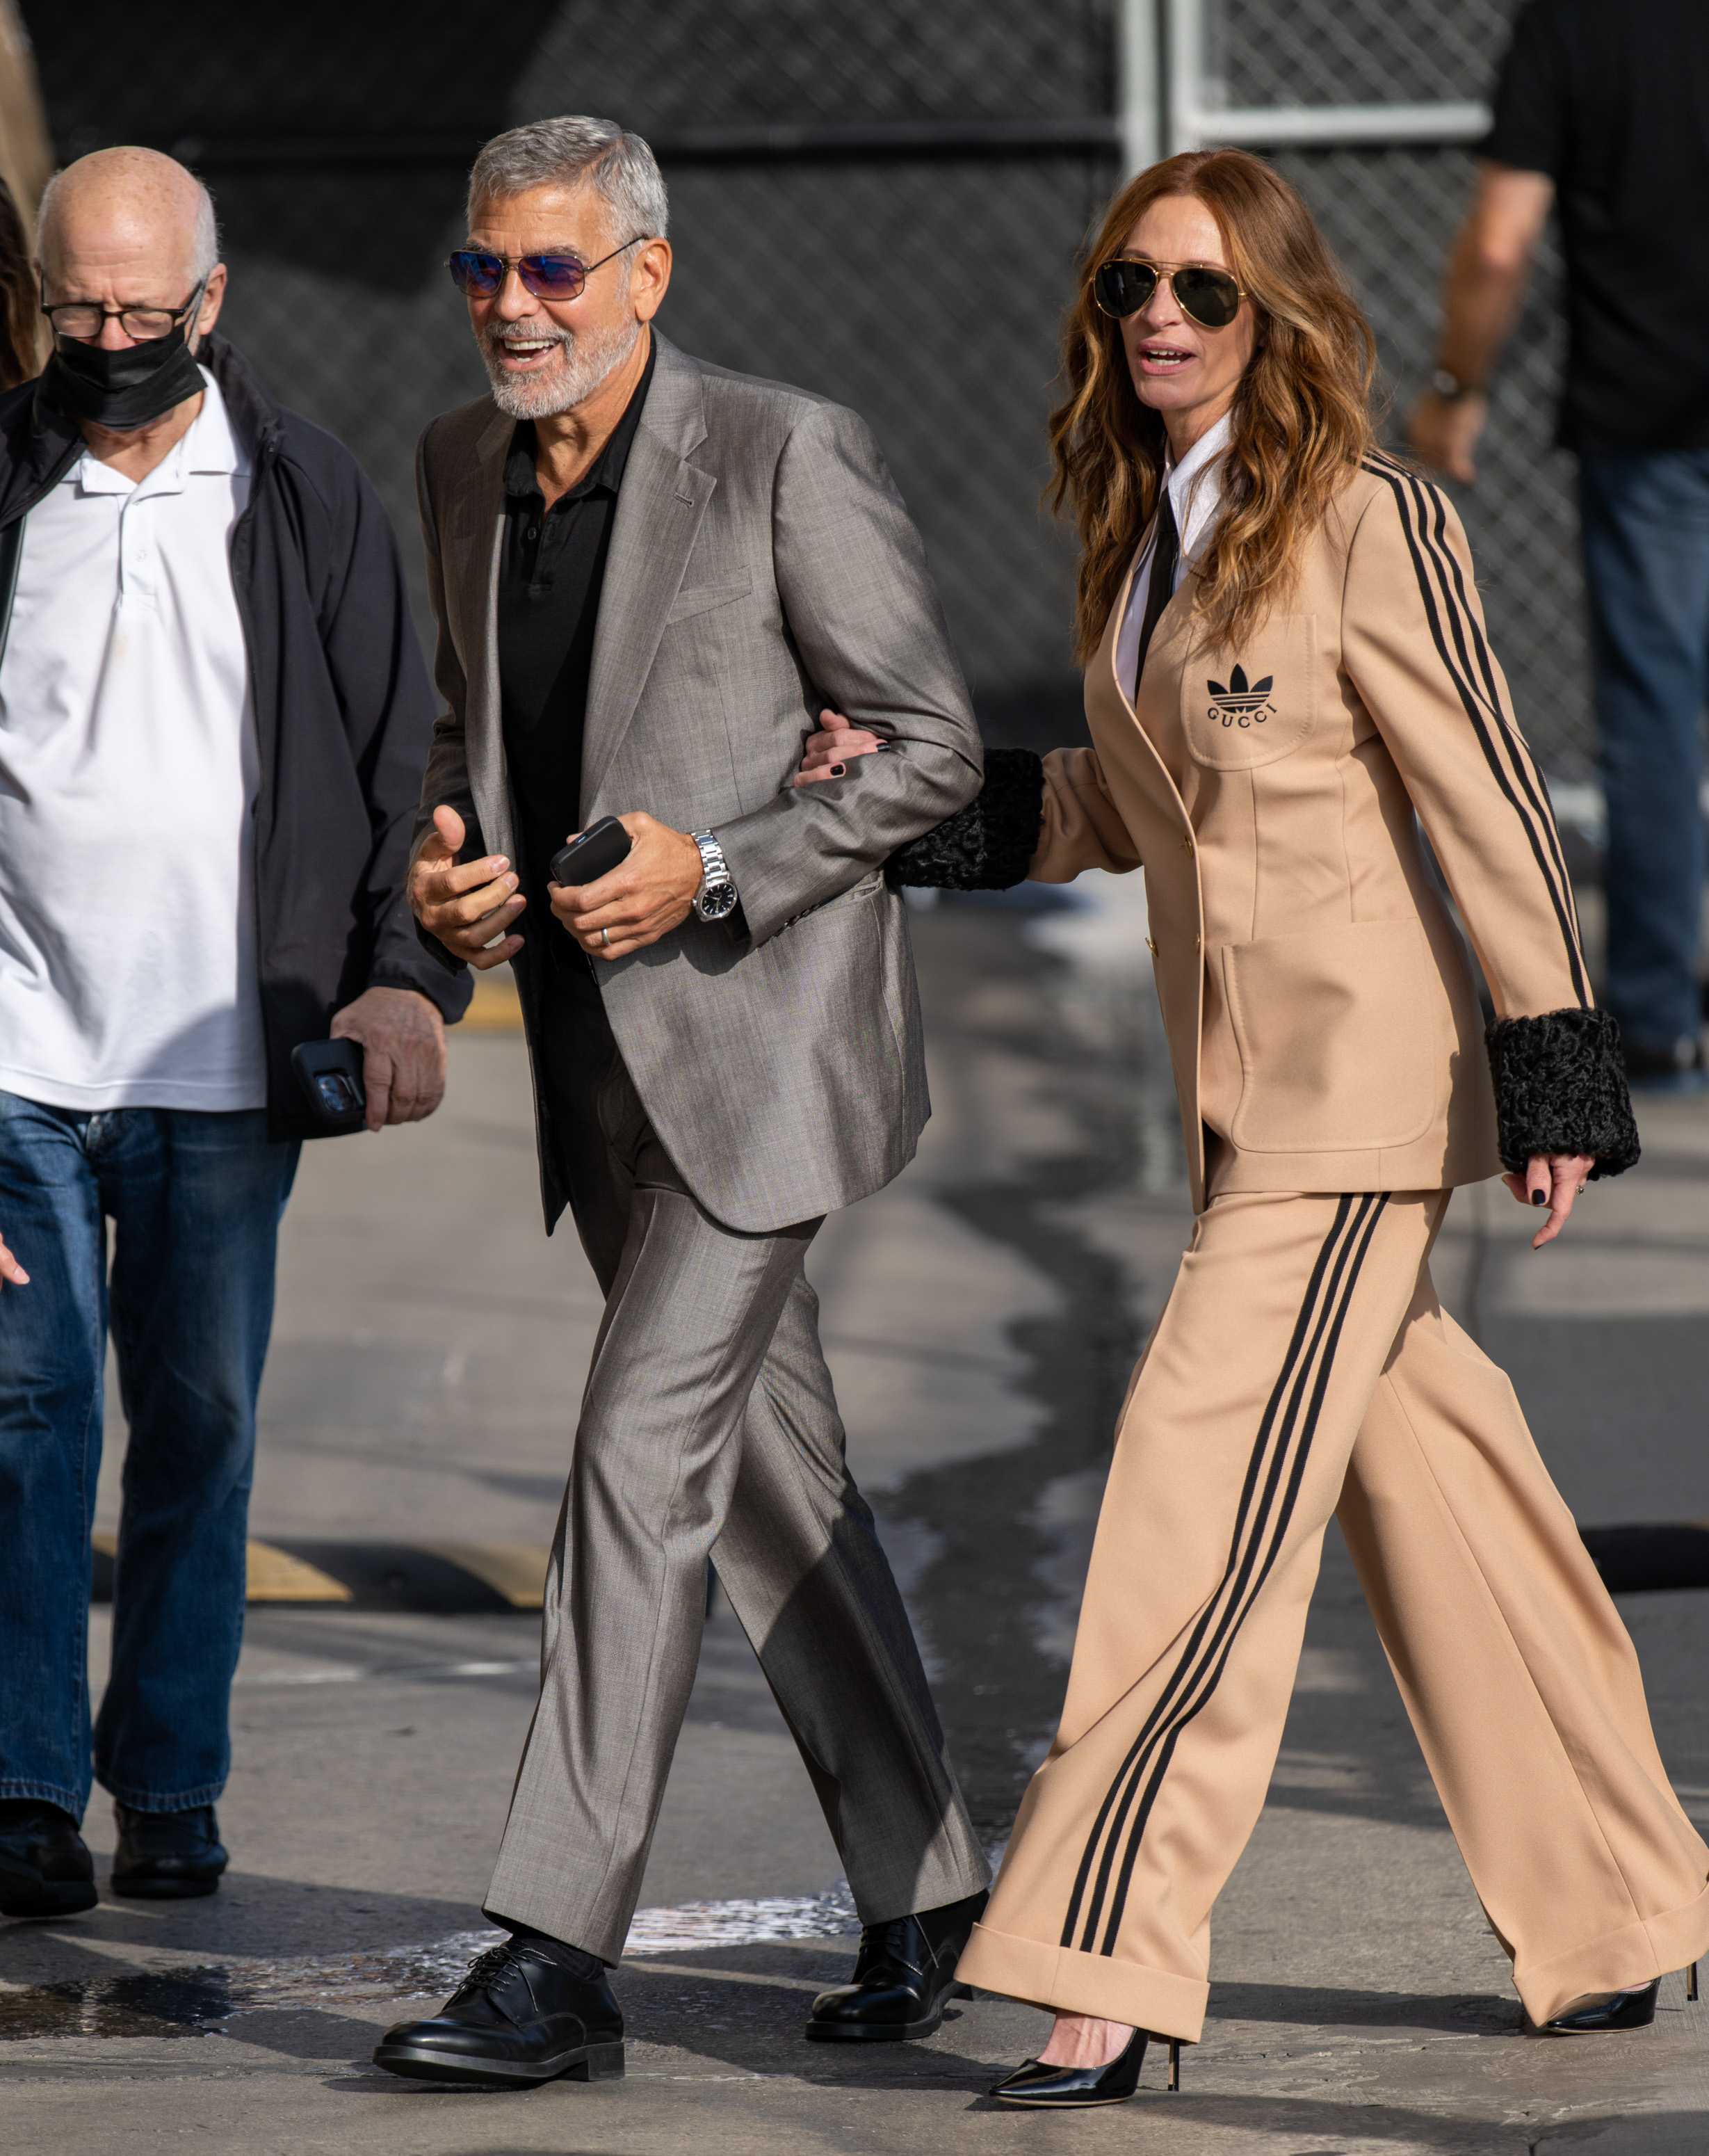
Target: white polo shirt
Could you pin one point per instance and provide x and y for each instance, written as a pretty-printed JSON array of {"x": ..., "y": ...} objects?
[{"x": 128, "y": 772}]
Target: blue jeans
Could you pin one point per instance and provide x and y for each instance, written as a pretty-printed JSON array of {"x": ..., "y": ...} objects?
[
  {"x": 1646, "y": 558},
  {"x": 196, "y": 1201}
]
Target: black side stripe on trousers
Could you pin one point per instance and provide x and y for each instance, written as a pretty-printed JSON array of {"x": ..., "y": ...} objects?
[
  {"x": 1465, "y": 657},
  {"x": 1268, "y": 1500}
]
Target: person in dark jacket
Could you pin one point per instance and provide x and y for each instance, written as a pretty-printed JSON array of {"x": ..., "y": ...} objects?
[
  {"x": 213, "y": 722},
  {"x": 1598, "y": 114}
]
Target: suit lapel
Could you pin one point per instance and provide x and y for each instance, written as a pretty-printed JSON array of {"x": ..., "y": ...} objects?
[
  {"x": 472, "y": 559},
  {"x": 659, "y": 512}
]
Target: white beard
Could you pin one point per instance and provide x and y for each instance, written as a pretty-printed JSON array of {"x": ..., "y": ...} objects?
[{"x": 584, "y": 362}]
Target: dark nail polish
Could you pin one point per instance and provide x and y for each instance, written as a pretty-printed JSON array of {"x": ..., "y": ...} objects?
[
  {"x": 1539, "y": 1198},
  {"x": 838, "y": 769}
]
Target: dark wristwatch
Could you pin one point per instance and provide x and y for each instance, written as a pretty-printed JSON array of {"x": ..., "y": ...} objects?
[{"x": 717, "y": 898}]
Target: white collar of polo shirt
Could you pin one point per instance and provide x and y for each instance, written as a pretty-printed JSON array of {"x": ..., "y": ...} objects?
[
  {"x": 1195, "y": 486},
  {"x": 208, "y": 445}
]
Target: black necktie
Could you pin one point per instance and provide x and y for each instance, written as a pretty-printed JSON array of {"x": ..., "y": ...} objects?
[{"x": 1165, "y": 553}]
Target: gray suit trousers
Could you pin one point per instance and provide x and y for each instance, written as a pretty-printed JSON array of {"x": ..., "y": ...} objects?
[{"x": 709, "y": 1429}]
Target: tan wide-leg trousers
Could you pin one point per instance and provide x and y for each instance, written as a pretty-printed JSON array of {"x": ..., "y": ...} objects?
[{"x": 1301, "y": 1366}]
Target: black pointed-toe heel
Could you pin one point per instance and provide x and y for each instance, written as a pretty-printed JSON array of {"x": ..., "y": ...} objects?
[
  {"x": 1072, "y": 2088},
  {"x": 1616, "y": 2010}
]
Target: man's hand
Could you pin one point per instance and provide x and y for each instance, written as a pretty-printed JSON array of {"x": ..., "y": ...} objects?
[
  {"x": 403, "y": 1052},
  {"x": 1554, "y": 1179},
  {"x": 472, "y": 909},
  {"x": 644, "y": 899},
  {"x": 1443, "y": 432},
  {"x": 10, "y": 1269},
  {"x": 828, "y": 753}
]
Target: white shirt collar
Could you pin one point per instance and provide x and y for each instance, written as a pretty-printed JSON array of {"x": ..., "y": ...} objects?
[
  {"x": 1195, "y": 486},
  {"x": 209, "y": 445}
]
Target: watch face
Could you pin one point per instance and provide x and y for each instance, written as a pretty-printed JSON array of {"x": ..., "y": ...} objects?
[{"x": 716, "y": 901}]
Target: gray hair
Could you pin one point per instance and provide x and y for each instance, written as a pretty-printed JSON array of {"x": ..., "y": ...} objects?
[
  {"x": 578, "y": 151},
  {"x": 204, "y": 241}
]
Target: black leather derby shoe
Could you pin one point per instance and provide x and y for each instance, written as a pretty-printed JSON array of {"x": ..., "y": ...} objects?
[
  {"x": 1616, "y": 2009},
  {"x": 1076, "y": 2088},
  {"x": 167, "y": 1856},
  {"x": 903, "y": 1974},
  {"x": 44, "y": 1869},
  {"x": 517, "y": 2016}
]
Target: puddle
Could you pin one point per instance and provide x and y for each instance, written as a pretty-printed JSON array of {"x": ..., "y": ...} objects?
[
  {"x": 200, "y": 2000},
  {"x": 743, "y": 1923},
  {"x": 181, "y": 2002}
]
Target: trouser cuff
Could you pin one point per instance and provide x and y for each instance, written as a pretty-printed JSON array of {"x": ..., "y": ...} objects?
[
  {"x": 1617, "y": 1961},
  {"x": 1068, "y": 1982}
]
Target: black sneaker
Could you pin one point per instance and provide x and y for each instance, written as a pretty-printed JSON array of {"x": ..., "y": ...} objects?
[
  {"x": 45, "y": 1870},
  {"x": 166, "y": 1856},
  {"x": 518, "y": 2016}
]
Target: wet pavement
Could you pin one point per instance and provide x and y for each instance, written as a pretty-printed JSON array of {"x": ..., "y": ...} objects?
[{"x": 982, "y": 1317}]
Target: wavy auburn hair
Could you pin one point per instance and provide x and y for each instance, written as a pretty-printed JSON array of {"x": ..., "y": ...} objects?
[{"x": 1301, "y": 413}]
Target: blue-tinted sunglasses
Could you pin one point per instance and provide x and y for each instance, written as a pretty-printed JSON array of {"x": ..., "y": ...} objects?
[{"x": 547, "y": 276}]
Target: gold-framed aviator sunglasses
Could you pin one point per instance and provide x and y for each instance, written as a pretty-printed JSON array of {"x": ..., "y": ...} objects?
[{"x": 1208, "y": 296}]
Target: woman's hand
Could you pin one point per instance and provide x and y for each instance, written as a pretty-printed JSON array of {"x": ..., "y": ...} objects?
[
  {"x": 1554, "y": 1179},
  {"x": 828, "y": 753},
  {"x": 10, "y": 1269}
]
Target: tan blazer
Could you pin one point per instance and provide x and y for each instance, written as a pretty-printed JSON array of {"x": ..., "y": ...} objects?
[{"x": 1321, "y": 1014}]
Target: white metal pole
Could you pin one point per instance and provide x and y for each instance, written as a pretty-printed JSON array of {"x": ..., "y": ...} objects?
[
  {"x": 1186, "y": 76},
  {"x": 1139, "y": 85}
]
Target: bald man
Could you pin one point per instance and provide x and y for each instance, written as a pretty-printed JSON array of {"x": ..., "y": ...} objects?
[{"x": 213, "y": 722}]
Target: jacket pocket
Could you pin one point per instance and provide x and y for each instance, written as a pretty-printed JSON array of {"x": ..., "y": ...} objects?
[
  {"x": 702, "y": 598},
  {"x": 1242, "y": 709},
  {"x": 1339, "y": 1037}
]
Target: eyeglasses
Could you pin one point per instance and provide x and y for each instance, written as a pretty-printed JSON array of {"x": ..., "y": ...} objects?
[
  {"x": 547, "y": 276},
  {"x": 1209, "y": 297},
  {"x": 81, "y": 318}
]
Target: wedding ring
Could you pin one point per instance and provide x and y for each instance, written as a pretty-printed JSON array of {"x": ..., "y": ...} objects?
[{"x": 605, "y": 936}]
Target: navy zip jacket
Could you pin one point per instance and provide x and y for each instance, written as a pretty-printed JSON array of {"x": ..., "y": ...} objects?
[{"x": 343, "y": 710}]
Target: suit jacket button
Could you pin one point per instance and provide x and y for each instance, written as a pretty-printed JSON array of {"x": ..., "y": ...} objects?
[
  {"x": 1198, "y": 943},
  {"x": 1151, "y": 947},
  {"x": 1187, "y": 845}
]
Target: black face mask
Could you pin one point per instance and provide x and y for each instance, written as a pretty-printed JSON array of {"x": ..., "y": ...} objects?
[{"x": 125, "y": 389}]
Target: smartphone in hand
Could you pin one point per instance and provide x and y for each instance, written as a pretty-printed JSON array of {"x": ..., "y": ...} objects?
[
  {"x": 330, "y": 1075},
  {"x": 601, "y": 848}
]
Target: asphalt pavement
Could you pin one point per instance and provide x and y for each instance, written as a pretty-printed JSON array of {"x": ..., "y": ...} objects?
[{"x": 982, "y": 1317}]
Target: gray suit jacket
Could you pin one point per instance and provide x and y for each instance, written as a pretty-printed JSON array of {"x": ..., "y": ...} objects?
[{"x": 761, "y": 565}]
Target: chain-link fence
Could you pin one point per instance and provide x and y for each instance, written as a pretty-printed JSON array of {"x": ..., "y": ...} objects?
[
  {"x": 906, "y": 248},
  {"x": 1390, "y": 210}
]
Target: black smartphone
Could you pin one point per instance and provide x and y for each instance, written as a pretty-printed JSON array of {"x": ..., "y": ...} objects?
[
  {"x": 602, "y": 847},
  {"x": 330, "y": 1075}
]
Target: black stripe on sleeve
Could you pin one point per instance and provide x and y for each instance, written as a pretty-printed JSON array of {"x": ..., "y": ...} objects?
[{"x": 1450, "y": 617}]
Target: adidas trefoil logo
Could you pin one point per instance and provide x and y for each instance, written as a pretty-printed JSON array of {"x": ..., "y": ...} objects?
[{"x": 1239, "y": 704}]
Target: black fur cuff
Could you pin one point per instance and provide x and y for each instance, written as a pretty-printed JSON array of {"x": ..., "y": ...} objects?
[
  {"x": 986, "y": 845},
  {"x": 1561, "y": 1087}
]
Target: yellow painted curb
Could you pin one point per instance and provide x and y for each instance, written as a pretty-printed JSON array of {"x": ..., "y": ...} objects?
[
  {"x": 274, "y": 1575},
  {"x": 515, "y": 1570},
  {"x": 497, "y": 1008}
]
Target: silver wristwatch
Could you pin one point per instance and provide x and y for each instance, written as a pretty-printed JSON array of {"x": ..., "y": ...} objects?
[{"x": 717, "y": 899}]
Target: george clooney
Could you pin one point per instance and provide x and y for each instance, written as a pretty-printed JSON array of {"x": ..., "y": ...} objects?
[{"x": 648, "y": 574}]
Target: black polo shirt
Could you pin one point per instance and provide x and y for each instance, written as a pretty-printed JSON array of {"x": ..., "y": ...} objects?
[
  {"x": 1612, "y": 101},
  {"x": 549, "y": 580}
]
